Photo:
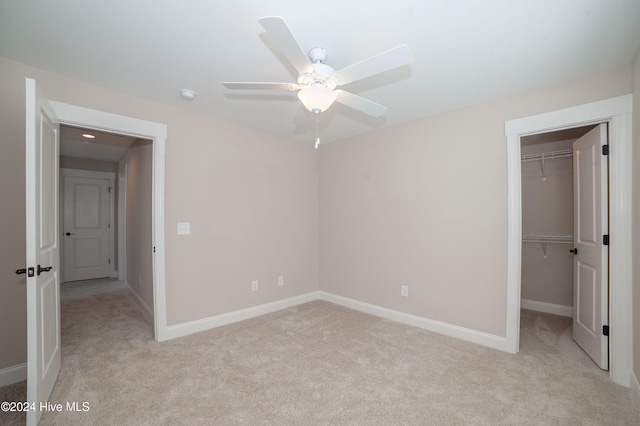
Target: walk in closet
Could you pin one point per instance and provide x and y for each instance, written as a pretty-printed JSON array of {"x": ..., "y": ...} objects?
[{"x": 548, "y": 221}]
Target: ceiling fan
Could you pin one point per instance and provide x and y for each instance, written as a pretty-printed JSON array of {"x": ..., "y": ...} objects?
[{"x": 317, "y": 82}]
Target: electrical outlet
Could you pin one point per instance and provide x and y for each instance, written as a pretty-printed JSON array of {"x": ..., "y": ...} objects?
[
  {"x": 254, "y": 285},
  {"x": 404, "y": 290},
  {"x": 280, "y": 280}
]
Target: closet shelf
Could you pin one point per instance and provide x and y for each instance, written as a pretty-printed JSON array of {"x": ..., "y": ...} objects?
[
  {"x": 544, "y": 156},
  {"x": 533, "y": 238},
  {"x": 544, "y": 239},
  {"x": 547, "y": 155}
]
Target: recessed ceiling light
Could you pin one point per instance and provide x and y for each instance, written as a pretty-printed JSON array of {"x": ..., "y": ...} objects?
[{"x": 88, "y": 136}]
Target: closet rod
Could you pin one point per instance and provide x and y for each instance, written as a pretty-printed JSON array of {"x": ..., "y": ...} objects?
[
  {"x": 552, "y": 155},
  {"x": 544, "y": 239}
]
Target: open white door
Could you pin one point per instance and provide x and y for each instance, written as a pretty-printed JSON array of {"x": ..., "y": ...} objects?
[
  {"x": 43, "y": 259},
  {"x": 590, "y": 277}
]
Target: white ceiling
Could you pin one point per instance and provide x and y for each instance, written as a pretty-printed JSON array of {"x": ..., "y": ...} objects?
[
  {"x": 104, "y": 146},
  {"x": 464, "y": 51}
]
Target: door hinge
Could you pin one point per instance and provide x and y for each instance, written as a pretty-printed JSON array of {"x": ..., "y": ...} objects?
[
  {"x": 605, "y": 239},
  {"x": 109, "y": 225},
  {"x": 112, "y": 187},
  {"x": 605, "y": 330},
  {"x": 605, "y": 149},
  {"x": 109, "y": 261},
  {"x": 154, "y": 249}
]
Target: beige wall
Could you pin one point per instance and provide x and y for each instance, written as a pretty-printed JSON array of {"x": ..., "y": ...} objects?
[
  {"x": 13, "y": 321},
  {"x": 422, "y": 204},
  {"x": 425, "y": 205},
  {"x": 251, "y": 198},
  {"x": 138, "y": 162},
  {"x": 87, "y": 164},
  {"x": 636, "y": 215},
  {"x": 547, "y": 209}
]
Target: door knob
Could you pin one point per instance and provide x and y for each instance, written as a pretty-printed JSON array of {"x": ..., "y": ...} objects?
[
  {"x": 574, "y": 251},
  {"x": 69, "y": 233},
  {"x": 45, "y": 269},
  {"x": 29, "y": 271}
]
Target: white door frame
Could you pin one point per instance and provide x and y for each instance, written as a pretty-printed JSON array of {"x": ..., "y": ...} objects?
[
  {"x": 122, "y": 224},
  {"x": 64, "y": 172},
  {"x": 616, "y": 112},
  {"x": 77, "y": 116}
]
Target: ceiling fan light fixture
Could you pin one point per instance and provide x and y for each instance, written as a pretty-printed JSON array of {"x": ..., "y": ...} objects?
[{"x": 317, "y": 97}]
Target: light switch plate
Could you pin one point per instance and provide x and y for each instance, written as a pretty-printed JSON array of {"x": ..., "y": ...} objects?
[{"x": 184, "y": 228}]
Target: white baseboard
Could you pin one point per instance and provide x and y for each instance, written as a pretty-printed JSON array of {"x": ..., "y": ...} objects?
[
  {"x": 474, "y": 336},
  {"x": 549, "y": 308},
  {"x": 146, "y": 310},
  {"x": 14, "y": 374},
  {"x": 634, "y": 388},
  {"x": 191, "y": 327}
]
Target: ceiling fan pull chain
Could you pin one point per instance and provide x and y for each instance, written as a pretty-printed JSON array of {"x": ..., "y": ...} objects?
[{"x": 317, "y": 112}]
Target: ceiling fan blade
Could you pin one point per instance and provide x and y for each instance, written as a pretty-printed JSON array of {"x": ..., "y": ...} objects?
[
  {"x": 385, "y": 61},
  {"x": 260, "y": 86},
  {"x": 286, "y": 42},
  {"x": 359, "y": 103}
]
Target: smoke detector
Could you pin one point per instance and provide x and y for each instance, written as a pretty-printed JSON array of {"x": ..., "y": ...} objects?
[{"x": 187, "y": 94}]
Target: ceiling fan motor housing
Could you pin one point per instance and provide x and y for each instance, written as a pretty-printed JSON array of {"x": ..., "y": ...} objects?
[
  {"x": 318, "y": 55},
  {"x": 322, "y": 75}
]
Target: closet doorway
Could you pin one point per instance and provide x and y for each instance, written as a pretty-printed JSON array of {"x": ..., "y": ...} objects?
[
  {"x": 616, "y": 112},
  {"x": 564, "y": 216}
]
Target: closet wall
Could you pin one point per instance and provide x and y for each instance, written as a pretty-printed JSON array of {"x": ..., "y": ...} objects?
[{"x": 547, "y": 224}]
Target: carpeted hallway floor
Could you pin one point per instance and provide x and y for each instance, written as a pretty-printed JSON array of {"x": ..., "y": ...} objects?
[{"x": 319, "y": 363}]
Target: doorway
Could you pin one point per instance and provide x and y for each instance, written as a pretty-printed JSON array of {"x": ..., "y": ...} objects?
[
  {"x": 564, "y": 264},
  {"x": 616, "y": 112},
  {"x": 155, "y": 134},
  {"x": 91, "y": 162}
]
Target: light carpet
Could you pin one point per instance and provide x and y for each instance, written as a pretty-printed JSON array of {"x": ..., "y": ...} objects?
[{"x": 319, "y": 364}]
